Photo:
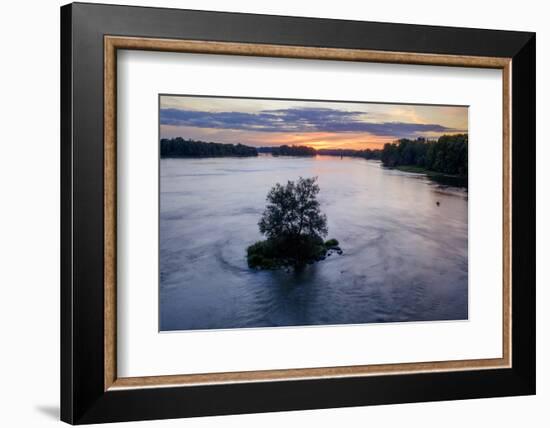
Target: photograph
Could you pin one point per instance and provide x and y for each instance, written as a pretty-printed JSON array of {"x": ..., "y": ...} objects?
[
  {"x": 259, "y": 210},
  {"x": 280, "y": 212}
]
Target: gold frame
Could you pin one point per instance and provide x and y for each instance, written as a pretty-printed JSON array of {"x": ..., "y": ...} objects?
[{"x": 113, "y": 43}]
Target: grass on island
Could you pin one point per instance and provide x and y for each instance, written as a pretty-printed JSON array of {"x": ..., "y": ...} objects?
[{"x": 283, "y": 252}]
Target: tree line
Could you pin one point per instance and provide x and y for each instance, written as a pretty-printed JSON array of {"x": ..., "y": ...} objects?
[
  {"x": 286, "y": 150},
  {"x": 365, "y": 154},
  {"x": 448, "y": 155},
  {"x": 181, "y": 148}
]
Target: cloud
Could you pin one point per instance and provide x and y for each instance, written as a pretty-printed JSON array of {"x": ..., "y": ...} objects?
[{"x": 305, "y": 119}]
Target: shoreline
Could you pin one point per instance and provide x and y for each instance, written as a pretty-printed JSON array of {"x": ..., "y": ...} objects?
[{"x": 439, "y": 177}]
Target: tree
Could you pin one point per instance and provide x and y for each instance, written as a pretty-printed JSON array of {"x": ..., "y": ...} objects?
[
  {"x": 447, "y": 155},
  {"x": 180, "y": 148},
  {"x": 293, "y": 211},
  {"x": 294, "y": 226}
]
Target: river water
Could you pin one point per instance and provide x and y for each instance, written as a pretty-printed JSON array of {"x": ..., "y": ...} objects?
[{"x": 405, "y": 257}]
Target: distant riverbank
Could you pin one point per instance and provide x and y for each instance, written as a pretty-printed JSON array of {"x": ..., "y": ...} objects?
[
  {"x": 438, "y": 177},
  {"x": 444, "y": 160}
]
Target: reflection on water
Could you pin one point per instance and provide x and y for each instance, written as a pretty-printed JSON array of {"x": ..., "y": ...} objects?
[{"x": 405, "y": 257}]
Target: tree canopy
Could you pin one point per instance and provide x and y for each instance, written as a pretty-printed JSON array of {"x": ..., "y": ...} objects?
[
  {"x": 286, "y": 150},
  {"x": 294, "y": 226},
  {"x": 293, "y": 210},
  {"x": 365, "y": 154},
  {"x": 180, "y": 148},
  {"x": 448, "y": 155}
]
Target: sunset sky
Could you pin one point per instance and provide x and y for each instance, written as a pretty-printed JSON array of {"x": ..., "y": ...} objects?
[{"x": 269, "y": 122}]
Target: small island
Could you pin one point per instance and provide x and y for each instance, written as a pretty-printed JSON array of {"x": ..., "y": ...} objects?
[{"x": 294, "y": 226}]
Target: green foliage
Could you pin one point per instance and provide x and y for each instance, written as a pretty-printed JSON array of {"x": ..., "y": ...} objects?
[
  {"x": 310, "y": 151},
  {"x": 293, "y": 210},
  {"x": 365, "y": 154},
  {"x": 262, "y": 255},
  {"x": 187, "y": 148},
  {"x": 293, "y": 151},
  {"x": 275, "y": 253},
  {"x": 332, "y": 243},
  {"x": 294, "y": 226},
  {"x": 412, "y": 168},
  {"x": 447, "y": 155},
  {"x": 180, "y": 148}
]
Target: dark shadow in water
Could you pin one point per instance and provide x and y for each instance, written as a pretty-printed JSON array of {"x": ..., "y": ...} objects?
[
  {"x": 295, "y": 293},
  {"x": 450, "y": 180},
  {"x": 292, "y": 279}
]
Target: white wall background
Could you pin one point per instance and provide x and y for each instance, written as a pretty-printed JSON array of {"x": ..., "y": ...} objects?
[{"x": 29, "y": 217}]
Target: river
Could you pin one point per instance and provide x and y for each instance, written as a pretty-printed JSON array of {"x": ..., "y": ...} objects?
[{"x": 405, "y": 257}]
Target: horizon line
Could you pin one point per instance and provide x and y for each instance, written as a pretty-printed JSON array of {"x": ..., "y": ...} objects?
[{"x": 426, "y": 139}]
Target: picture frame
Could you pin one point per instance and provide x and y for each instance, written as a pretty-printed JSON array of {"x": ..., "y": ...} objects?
[{"x": 91, "y": 390}]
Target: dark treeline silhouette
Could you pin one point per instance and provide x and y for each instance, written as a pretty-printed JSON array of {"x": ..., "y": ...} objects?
[
  {"x": 447, "y": 155},
  {"x": 285, "y": 150},
  {"x": 365, "y": 154},
  {"x": 180, "y": 148},
  {"x": 310, "y": 151}
]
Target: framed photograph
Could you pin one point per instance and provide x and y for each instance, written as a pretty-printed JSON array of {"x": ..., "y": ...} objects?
[{"x": 265, "y": 213}]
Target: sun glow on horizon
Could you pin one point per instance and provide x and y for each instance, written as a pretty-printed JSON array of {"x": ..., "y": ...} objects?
[{"x": 321, "y": 125}]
